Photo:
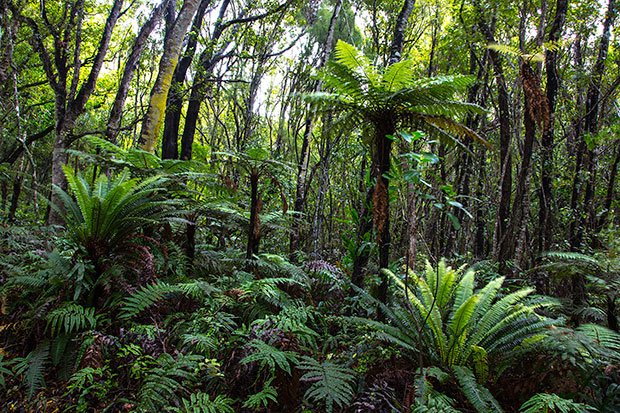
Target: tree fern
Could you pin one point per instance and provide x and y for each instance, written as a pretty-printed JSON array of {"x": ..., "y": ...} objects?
[
  {"x": 330, "y": 383},
  {"x": 450, "y": 324},
  {"x": 425, "y": 104},
  {"x": 103, "y": 218}
]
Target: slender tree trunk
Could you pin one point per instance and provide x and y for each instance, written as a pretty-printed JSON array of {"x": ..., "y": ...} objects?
[
  {"x": 114, "y": 121},
  {"x": 304, "y": 156},
  {"x": 68, "y": 106},
  {"x": 532, "y": 97},
  {"x": 200, "y": 88},
  {"x": 174, "y": 105},
  {"x": 502, "y": 237},
  {"x": 159, "y": 94},
  {"x": 611, "y": 184},
  {"x": 17, "y": 188},
  {"x": 254, "y": 232},
  {"x": 381, "y": 198},
  {"x": 317, "y": 224},
  {"x": 591, "y": 127},
  {"x": 545, "y": 217},
  {"x": 364, "y": 227}
]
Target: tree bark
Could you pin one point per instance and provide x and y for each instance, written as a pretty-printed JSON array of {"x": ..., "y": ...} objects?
[
  {"x": 545, "y": 216},
  {"x": 591, "y": 127},
  {"x": 254, "y": 233},
  {"x": 302, "y": 167},
  {"x": 501, "y": 238},
  {"x": 68, "y": 107},
  {"x": 174, "y": 105},
  {"x": 159, "y": 94},
  {"x": 114, "y": 121},
  {"x": 200, "y": 88}
]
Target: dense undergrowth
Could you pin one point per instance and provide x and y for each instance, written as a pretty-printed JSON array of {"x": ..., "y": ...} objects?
[{"x": 113, "y": 314}]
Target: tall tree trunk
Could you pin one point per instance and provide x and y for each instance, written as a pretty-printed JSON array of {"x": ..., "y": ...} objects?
[
  {"x": 609, "y": 195},
  {"x": 545, "y": 217},
  {"x": 317, "y": 223},
  {"x": 532, "y": 97},
  {"x": 304, "y": 156},
  {"x": 381, "y": 198},
  {"x": 254, "y": 233},
  {"x": 501, "y": 238},
  {"x": 69, "y": 107},
  {"x": 114, "y": 121},
  {"x": 159, "y": 94},
  {"x": 200, "y": 87},
  {"x": 591, "y": 127},
  {"x": 174, "y": 105},
  {"x": 364, "y": 213}
]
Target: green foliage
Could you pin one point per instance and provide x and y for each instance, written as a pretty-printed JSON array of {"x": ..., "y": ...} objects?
[
  {"x": 163, "y": 379},
  {"x": 479, "y": 396},
  {"x": 103, "y": 218},
  {"x": 71, "y": 318},
  {"x": 32, "y": 368},
  {"x": 451, "y": 325},
  {"x": 436, "y": 403},
  {"x": 89, "y": 383},
  {"x": 330, "y": 383},
  {"x": 4, "y": 370},
  {"x": 263, "y": 398},
  {"x": 370, "y": 95},
  {"x": 145, "y": 297},
  {"x": 202, "y": 403},
  {"x": 269, "y": 356},
  {"x": 552, "y": 403}
]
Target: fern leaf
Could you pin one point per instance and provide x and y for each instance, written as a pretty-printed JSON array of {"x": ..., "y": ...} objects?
[
  {"x": 331, "y": 383},
  {"x": 479, "y": 396}
]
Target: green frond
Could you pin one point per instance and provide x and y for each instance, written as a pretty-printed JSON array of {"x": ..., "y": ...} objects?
[
  {"x": 202, "y": 403},
  {"x": 144, "y": 298},
  {"x": 71, "y": 318},
  {"x": 543, "y": 402},
  {"x": 268, "y": 356},
  {"x": 397, "y": 76},
  {"x": 164, "y": 380},
  {"x": 32, "y": 368},
  {"x": 355, "y": 61},
  {"x": 263, "y": 398},
  {"x": 479, "y": 396},
  {"x": 330, "y": 383}
]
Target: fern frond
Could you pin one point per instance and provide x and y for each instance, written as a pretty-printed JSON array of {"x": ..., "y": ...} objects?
[
  {"x": 33, "y": 368},
  {"x": 202, "y": 403},
  {"x": 543, "y": 402},
  {"x": 71, "y": 318},
  {"x": 478, "y": 395},
  {"x": 268, "y": 356},
  {"x": 263, "y": 398},
  {"x": 331, "y": 383},
  {"x": 144, "y": 298}
]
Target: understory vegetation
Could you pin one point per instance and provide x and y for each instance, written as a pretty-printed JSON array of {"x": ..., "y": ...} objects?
[{"x": 338, "y": 206}]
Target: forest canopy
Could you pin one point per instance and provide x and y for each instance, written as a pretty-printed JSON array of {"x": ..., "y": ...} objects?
[{"x": 309, "y": 206}]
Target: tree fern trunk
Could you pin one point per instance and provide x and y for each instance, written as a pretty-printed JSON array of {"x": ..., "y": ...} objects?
[{"x": 255, "y": 206}]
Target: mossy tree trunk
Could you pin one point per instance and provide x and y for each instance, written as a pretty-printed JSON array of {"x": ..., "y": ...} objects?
[{"x": 154, "y": 117}]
